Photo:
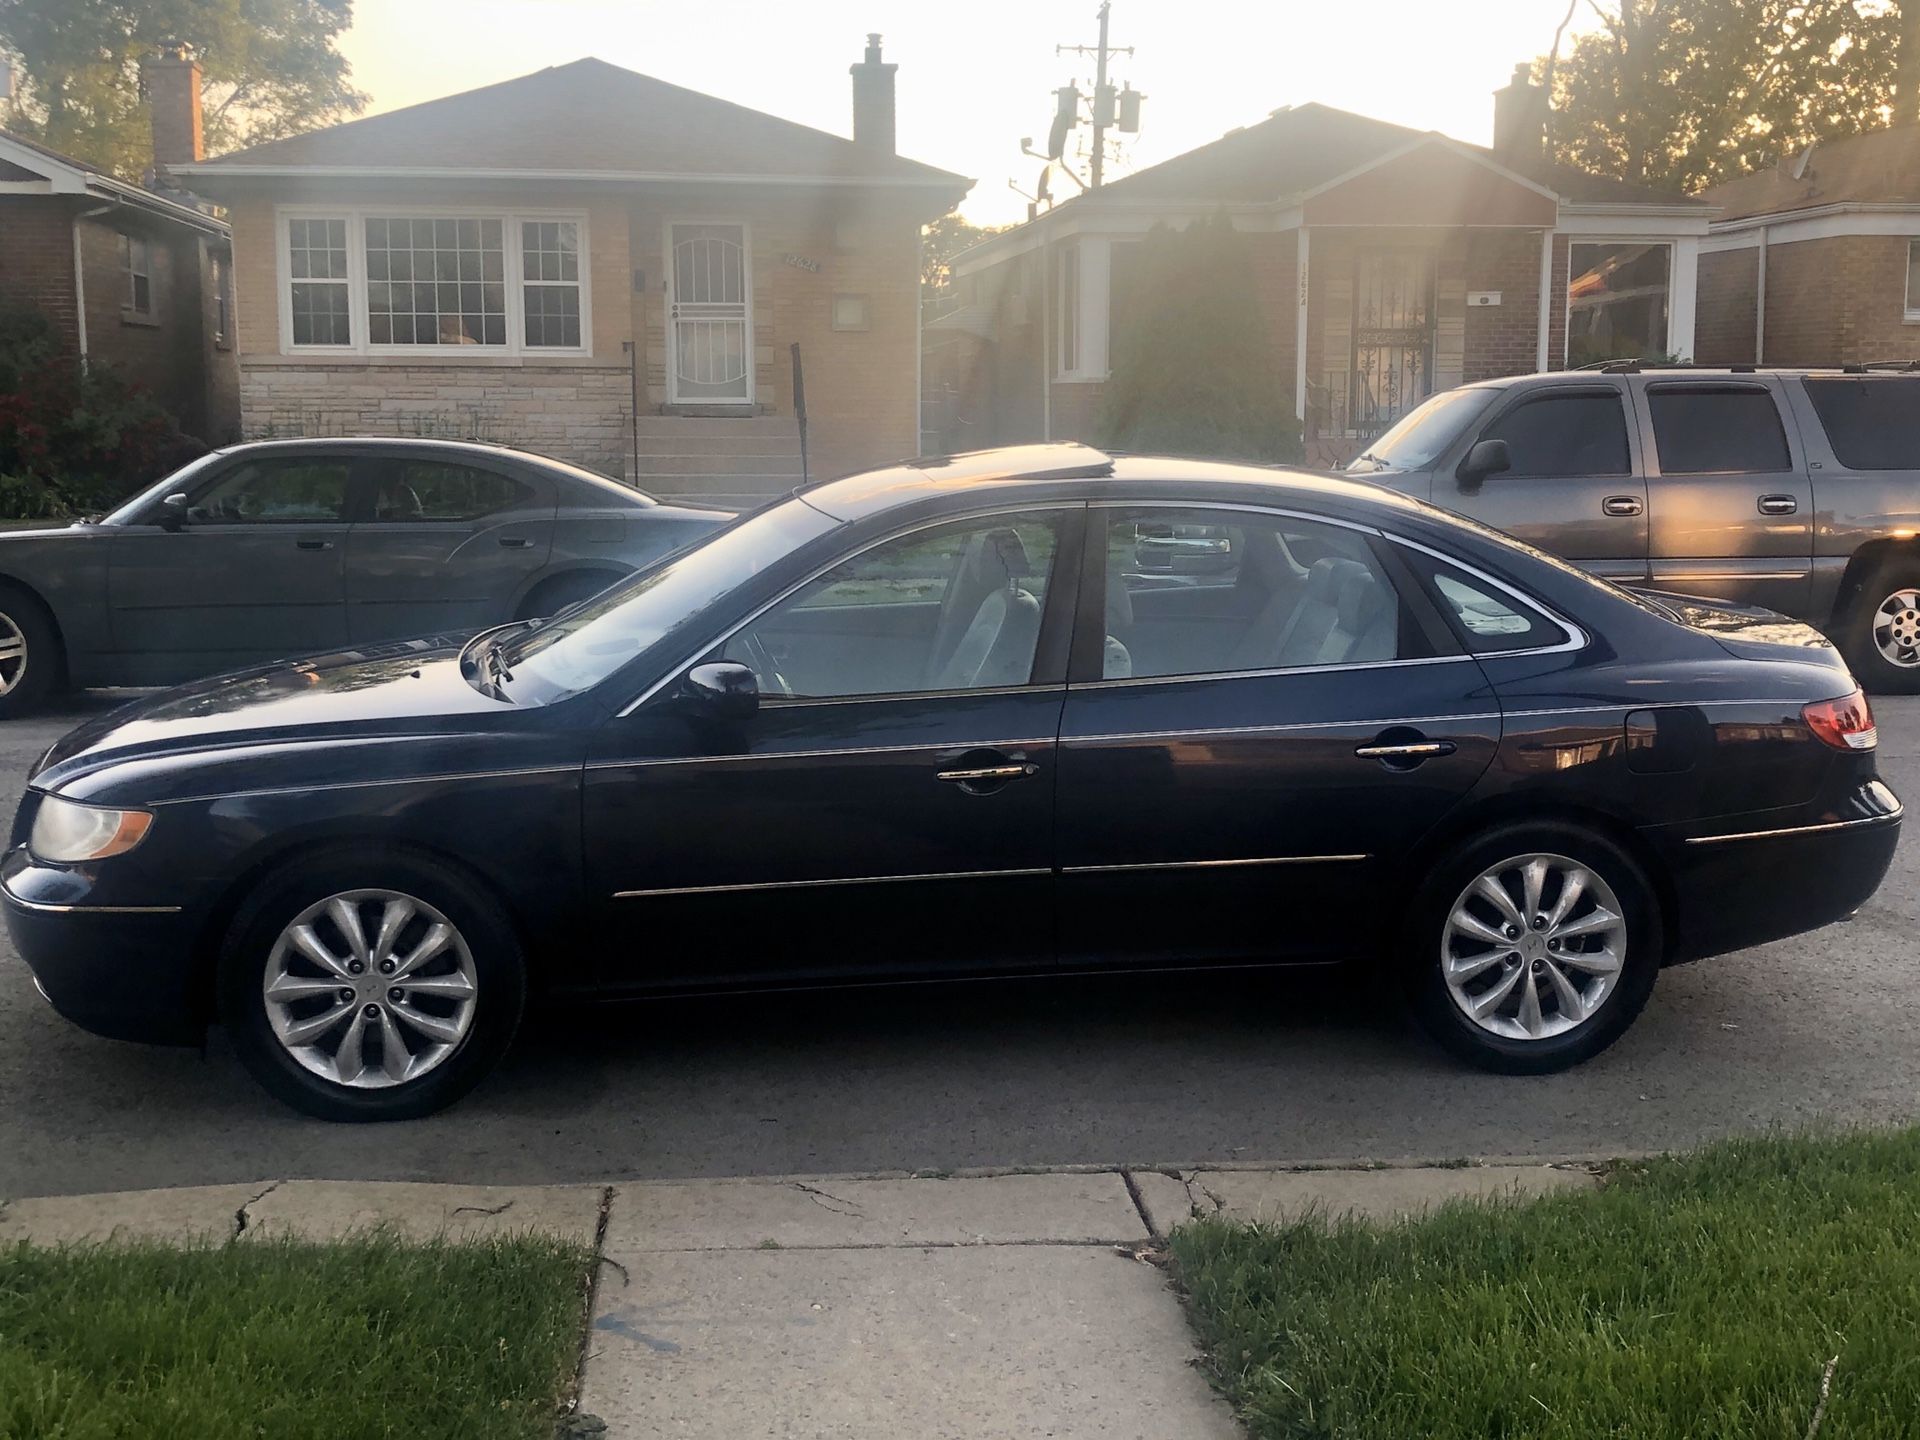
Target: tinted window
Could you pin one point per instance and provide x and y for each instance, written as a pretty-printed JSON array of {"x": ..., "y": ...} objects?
[
  {"x": 954, "y": 608},
  {"x": 1578, "y": 434},
  {"x": 436, "y": 490},
  {"x": 269, "y": 492},
  {"x": 1421, "y": 435},
  {"x": 1873, "y": 423},
  {"x": 1197, "y": 592},
  {"x": 1729, "y": 431}
]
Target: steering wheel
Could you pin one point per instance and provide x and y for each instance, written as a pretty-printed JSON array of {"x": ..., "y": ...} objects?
[{"x": 764, "y": 665}]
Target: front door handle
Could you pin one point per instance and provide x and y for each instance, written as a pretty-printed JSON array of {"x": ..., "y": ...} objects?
[
  {"x": 1415, "y": 750},
  {"x": 314, "y": 544},
  {"x": 1779, "y": 505},
  {"x": 1622, "y": 505},
  {"x": 514, "y": 542},
  {"x": 987, "y": 773}
]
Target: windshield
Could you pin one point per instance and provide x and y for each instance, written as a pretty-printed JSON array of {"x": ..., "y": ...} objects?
[
  {"x": 580, "y": 647},
  {"x": 131, "y": 510},
  {"x": 1425, "y": 432}
]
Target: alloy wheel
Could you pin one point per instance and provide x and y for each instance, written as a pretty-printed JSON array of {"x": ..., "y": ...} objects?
[
  {"x": 13, "y": 653},
  {"x": 1896, "y": 628},
  {"x": 370, "y": 988},
  {"x": 1533, "y": 947}
]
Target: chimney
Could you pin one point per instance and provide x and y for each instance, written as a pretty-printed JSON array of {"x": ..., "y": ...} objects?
[
  {"x": 1520, "y": 117},
  {"x": 873, "y": 99},
  {"x": 172, "y": 76}
]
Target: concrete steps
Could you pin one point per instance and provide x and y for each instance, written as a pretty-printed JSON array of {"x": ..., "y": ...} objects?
[{"x": 735, "y": 461}]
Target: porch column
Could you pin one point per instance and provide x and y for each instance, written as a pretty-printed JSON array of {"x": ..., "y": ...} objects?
[
  {"x": 1686, "y": 275},
  {"x": 1096, "y": 297},
  {"x": 1300, "y": 332},
  {"x": 1540, "y": 342}
]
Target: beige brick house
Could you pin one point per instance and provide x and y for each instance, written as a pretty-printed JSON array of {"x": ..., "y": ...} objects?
[
  {"x": 1389, "y": 264},
  {"x": 1816, "y": 261},
  {"x": 596, "y": 265}
]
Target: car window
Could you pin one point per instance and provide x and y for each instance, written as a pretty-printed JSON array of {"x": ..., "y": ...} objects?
[
  {"x": 1488, "y": 619},
  {"x": 1584, "y": 433},
  {"x": 1872, "y": 423},
  {"x": 293, "y": 490},
  {"x": 953, "y": 608},
  {"x": 1197, "y": 592},
  {"x": 437, "y": 490},
  {"x": 1731, "y": 430}
]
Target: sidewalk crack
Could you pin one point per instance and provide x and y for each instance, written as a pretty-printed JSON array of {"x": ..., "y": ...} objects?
[
  {"x": 1192, "y": 1182},
  {"x": 240, "y": 1217},
  {"x": 828, "y": 1202},
  {"x": 499, "y": 1209}
]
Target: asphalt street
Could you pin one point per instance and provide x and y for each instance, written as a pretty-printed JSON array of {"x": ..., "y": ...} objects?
[{"x": 1148, "y": 1072}]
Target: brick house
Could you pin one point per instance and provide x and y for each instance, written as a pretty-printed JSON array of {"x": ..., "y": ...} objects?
[
  {"x": 131, "y": 276},
  {"x": 1389, "y": 264},
  {"x": 1817, "y": 260},
  {"x": 593, "y": 264}
]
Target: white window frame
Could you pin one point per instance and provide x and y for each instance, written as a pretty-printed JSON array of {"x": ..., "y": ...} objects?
[
  {"x": 1913, "y": 265},
  {"x": 513, "y": 268},
  {"x": 1667, "y": 346},
  {"x": 136, "y": 262},
  {"x": 1067, "y": 336}
]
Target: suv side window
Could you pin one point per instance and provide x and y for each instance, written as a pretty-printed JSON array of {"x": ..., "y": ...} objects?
[
  {"x": 1873, "y": 422},
  {"x": 1717, "y": 430},
  {"x": 1565, "y": 433}
]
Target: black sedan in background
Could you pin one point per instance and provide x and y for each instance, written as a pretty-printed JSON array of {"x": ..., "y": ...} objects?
[
  {"x": 957, "y": 718},
  {"x": 294, "y": 547}
]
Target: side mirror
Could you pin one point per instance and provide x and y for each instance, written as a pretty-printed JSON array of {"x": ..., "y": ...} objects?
[
  {"x": 1487, "y": 457},
  {"x": 723, "y": 689},
  {"x": 173, "y": 511}
]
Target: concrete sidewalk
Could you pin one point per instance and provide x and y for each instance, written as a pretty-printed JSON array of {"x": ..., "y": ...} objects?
[{"x": 967, "y": 1307}]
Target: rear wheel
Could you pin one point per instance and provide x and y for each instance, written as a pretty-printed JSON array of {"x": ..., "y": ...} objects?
[
  {"x": 32, "y": 662},
  {"x": 1881, "y": 635},
  {"x": 379, "y": 987},
  {"x": 1533, "y": 948}
]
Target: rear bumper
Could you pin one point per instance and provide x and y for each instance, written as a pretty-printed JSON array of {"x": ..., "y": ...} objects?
[{"x": 1746, "y": 885}]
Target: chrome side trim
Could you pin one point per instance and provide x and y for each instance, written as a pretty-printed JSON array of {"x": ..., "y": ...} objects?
[
  {"x": 1215, "y": 864},
  {"x": 815, "y": 884},
  {"x": 1277, "y": 729},
  {"x": 1799, "y": 829},
  {"x": 1280, "y": 670},
  {"x": 795, "y": 702},
  {"x": 43, "y": 908},
  {"x": 1249, "y": 506},
  {"x": 1661, "y": 577},
  {"x": 820, "y": 754},
  {"x": 368, "y": 784}
]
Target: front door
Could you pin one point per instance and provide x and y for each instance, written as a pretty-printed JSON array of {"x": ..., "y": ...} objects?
[
  {"x": 1573, "y": 488},
  {"x": 709, "y": 310},
  {"x": 888, "y": 810},
  {"x": 253, "y": 573},
  {"x": 1392, "y": 337},
  {"x": 1240, "y": 772},
  {"x": 442, "y": 546}
]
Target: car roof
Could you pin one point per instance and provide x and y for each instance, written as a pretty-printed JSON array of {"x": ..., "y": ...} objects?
[{"x": 477, "y": 450}]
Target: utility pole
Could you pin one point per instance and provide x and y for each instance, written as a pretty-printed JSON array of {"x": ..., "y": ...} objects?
[{"x": 1103, "y": 96}]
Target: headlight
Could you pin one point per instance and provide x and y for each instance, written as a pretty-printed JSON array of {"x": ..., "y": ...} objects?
[{"x": 65, "y": 832}]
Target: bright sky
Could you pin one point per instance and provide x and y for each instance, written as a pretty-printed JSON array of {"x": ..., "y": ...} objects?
[{"x": 976, "y": 77}]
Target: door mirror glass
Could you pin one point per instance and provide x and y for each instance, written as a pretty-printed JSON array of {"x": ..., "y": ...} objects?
[
  {"x": 1487, "y": 457},
  {"x": 723, "y": 689}
]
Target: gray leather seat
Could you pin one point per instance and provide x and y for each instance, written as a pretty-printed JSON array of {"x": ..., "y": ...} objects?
[
  {"x": 996, "y": 643},
  {"x": 1369, "y": 621},
  {"x": 1117, "y": 663},
  {"x": 1267, "y": 569},
  {"x": 1303, "y": 637}
]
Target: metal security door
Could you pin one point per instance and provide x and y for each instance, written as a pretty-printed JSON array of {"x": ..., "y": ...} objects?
[
  {"x": 1392, "y": 336},
  {"x": 711, "y": 318}
]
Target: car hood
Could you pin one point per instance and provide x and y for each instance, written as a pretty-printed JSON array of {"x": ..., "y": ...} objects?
[
  {"x": 406, "y": 687},
  {"x": 1748, "y": 631}
]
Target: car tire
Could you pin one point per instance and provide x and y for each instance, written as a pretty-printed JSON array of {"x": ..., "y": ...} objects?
[
  {"x": 27, "y": 632},
  {"x": 447, "y": 1040},
  {"x": 550, "y": 597},
  {"x": 1456, "y": 957},
  {"x": 1882, "y": 625}
]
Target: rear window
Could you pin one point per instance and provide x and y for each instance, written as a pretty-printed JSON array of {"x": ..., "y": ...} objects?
[
  {"x": 1729, "y": 430},
  {"x": 1873, "y": 422},
  {"x": 1487, "y": 618}
]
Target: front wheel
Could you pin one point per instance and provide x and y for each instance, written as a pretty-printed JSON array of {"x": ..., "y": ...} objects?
[
  {"x": 32, "y": 665},
  {"x": 376, "y": 987},
  {"x": 1533, "y": 948},
  {"x": 1881, "y": 635}
]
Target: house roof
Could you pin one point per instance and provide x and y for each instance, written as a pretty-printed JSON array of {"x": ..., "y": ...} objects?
[
  {"x": 1880, "y": 167},
  {"x": 28, "y": 162},
  {"x": 586, "y": 119},
  {"x": 1296, "y": 149}
]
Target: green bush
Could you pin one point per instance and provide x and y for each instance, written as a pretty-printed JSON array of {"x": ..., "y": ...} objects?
[
  {"x": 74, "y": 438},
  {"x": 1195, "y": 372}
]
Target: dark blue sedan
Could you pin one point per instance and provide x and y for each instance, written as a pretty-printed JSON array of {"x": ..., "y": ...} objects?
[{"x": 960, "y": 718}]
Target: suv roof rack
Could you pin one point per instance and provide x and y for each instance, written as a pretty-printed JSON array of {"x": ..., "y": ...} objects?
[
  {"x": 1894, "y": 367},
  {"x": 1635, "y": 367}
]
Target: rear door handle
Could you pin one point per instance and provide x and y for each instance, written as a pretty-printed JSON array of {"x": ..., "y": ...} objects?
[
  {"x": 1415, "y": 750},
  {"x": 982, "y": 773},
  {"x": 1622, "y": 505},
  {"x": 314, "y": 544},
  {"x": 514, "y": 542},
  {"x": 1778, "y": 505}
]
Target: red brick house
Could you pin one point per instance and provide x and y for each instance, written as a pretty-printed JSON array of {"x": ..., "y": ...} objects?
[
  {"x": 134, "y": 277},
  {"x": 594, "y": 264},
  {"x": 1390, "y": 263},
  {"x": 1817, "y": 260}
]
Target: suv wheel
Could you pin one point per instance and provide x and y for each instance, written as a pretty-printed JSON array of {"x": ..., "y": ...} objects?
[
  {"x": 1881, "y": 637},
  {"x": 381, "y": 988},
  {"x": 1534, "y": 948}
]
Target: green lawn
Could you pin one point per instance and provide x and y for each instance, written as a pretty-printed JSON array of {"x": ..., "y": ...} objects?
[
  {"x": 267, "y": 1339},
  {"x": 1692, "y": 1297}
]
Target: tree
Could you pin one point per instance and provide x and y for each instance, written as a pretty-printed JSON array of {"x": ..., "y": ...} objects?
[
  {"x": 1683, "y": 94},
  {"x": 940, "y": 242},
  {"x": 1193, "y": 369},
  {"x": 270, "y": 69}
]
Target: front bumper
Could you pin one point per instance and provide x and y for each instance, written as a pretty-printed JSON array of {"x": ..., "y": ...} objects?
[{"x": 123, "y": 971}]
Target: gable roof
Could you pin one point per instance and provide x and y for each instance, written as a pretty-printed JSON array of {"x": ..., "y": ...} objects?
[
  {"x": 584, "y": 119},
  {"x": 1298, "y": 149},
  {"x": 1880, "y": 167},
  {"x": 28, "y": 163}
]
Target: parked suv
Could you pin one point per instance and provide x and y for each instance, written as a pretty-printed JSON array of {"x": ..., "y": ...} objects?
[{"x": 1798, "y": 490}]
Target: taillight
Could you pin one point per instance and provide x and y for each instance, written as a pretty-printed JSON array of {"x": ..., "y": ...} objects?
[{"x": 1845, "y": 724}]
